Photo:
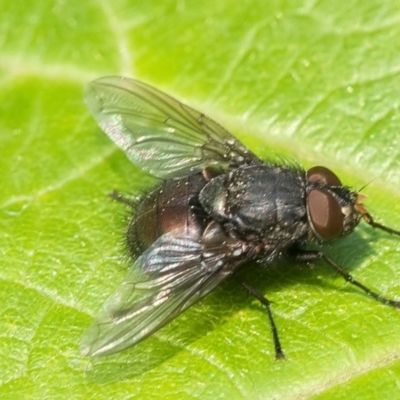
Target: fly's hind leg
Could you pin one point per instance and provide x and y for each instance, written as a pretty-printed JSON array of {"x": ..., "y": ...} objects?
[{"x": 115, "y": 195}]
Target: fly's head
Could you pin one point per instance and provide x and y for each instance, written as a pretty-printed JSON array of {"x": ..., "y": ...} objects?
[{"x": 333, "y": 210}]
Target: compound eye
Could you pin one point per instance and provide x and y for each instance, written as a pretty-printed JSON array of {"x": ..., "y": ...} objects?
[
  {"x": 323, "y": 175},
  {"x": 325, "y": 214}
]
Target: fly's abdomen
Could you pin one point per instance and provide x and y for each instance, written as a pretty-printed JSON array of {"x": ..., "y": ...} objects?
[{"x": 172, "y": 205}]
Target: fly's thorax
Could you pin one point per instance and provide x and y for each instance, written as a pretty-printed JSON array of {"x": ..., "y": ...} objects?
[
  {"x": 173, "y": 205},
  {"x": 331, "y": 207},
  {"x": 259, "y": 201}
]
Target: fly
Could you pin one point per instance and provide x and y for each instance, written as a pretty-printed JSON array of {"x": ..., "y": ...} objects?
[{"x": 218, "y": 207}]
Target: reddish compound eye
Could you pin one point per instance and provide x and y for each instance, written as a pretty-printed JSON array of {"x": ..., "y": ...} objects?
[
  {"x": 325, "y": 214},
  {"x": 323, "y": 175},
  {"x": 324, "y": 211}
]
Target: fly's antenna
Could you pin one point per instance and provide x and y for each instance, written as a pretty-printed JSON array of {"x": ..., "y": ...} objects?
[{"x": 367, "y": 184}]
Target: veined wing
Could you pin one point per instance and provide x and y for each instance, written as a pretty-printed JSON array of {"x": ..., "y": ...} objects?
[
  {"x": 160, "y": 134},
  {"x": 167, "y": 279}
]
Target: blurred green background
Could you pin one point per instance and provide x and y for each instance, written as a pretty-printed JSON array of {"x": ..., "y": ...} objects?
[{"x": 315, "y": 81}]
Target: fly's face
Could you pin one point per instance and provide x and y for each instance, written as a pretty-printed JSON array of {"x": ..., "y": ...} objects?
[{"x": 219, "y": 206}]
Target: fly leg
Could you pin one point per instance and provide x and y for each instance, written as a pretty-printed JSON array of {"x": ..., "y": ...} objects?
[
  {"x": 308, "y": 256},
  {"x": 115, "y": 195},
  {"x": 370, "y": 221},
  {"x": 279, "y": 354}
]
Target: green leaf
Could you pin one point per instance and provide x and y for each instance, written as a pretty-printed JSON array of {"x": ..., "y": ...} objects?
[{"x": 315, "y": 81}]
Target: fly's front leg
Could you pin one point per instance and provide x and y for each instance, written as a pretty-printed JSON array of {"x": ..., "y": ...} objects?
[{"x": 308, "y": 256}]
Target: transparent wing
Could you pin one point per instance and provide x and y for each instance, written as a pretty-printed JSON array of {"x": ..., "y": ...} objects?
[
  {"x": 160, "y": 134},
  {"x": 168, "y": 278}
]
